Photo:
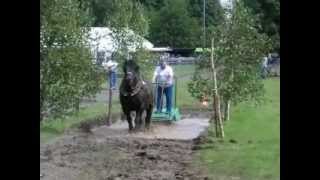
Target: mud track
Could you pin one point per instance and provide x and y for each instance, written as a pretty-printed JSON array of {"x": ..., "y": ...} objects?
[{"x": 115, "y": 155}]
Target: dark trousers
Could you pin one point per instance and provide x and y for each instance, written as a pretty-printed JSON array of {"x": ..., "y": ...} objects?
[
  {"x": 113, "y": 79},
  {"x": 167, "y": 91}
]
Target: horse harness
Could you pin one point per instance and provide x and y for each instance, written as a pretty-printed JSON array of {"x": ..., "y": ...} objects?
[{"x": 136, "y": 89}]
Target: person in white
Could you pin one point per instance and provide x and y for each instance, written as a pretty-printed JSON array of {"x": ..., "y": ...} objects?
[
  {"x": 264, "y": 67},
  {"x": 111, "y": 67},
  {"x": 163, "y": 77}
]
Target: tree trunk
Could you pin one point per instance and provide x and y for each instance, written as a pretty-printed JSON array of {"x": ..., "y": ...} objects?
[
  {"x": 222, "y": 107},
  {"x": 41, "y": 109},
  {"x": 109, "y": 102},
  {"x": 217, "y": 110},
  {"x": 216, "y": 115}
]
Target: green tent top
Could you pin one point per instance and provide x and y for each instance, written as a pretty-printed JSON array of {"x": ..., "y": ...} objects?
[{"x": 199, "y": 50}]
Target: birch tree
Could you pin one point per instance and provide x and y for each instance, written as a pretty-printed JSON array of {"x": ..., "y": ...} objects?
[{"x": 239, "y": 48}]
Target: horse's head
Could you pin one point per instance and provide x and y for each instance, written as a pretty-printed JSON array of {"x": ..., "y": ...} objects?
[{"x": 131, "y": 73}]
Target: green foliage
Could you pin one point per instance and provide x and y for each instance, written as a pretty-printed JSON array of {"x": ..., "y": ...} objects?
[
  {"x": 145, "y": 59},
  {"x": 127, "y": 17},
  {"x": 175, "y": 23},
  {"x": 214, "y": 11},
  {"x": 152, "y": 4},
  {"x": 214, "y": 15},
  {"x": 129, "y": 25},
  {"x": 173, "y": 26},
  {"x": 239, "y": 48},
  {"x": 127, "y": 20},
  {"x": 66, "y": 71},
  {"x": 269, "y": 17}
]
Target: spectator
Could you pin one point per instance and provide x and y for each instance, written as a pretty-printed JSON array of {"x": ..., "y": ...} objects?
[
  {"x": 264, "y": 67},
  {"x": 111, "y": 67}
]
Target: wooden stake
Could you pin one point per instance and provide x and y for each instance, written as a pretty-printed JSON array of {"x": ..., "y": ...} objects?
[
  {"x": 227, "y": 110},
  {"x": 110, "y": 102},
  {"x": 216, "y": 95}
]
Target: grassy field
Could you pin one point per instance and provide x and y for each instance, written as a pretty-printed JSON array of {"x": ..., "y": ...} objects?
[
  {"x": 256, "y": 153},
  {"x": 184, "y": 99},
  {"x": 51, "y": 128}
]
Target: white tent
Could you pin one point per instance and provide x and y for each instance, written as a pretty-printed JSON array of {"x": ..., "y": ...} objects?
[{"x": 100, "y": 39}]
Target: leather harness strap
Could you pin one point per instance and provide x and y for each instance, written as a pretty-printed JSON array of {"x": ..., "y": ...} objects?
[{"x": 135, "y": 90}]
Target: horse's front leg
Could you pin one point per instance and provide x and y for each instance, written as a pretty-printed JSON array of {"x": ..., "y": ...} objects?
[
  {"x": 148, "y": 117},
  {"x": 138, "y": 120},
  {"x": 129, "y": 120}
]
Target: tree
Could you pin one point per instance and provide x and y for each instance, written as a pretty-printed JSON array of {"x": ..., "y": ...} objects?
[
  {"x": 214, "y": 11},
  {"x": 66, "y": 70},
  {"x": 129, "y": 25},
  {"x": 173, "y": 26},
  {"x": 269, "y": 17},
  {"x": 214, "y": 15},
  {"x": 152, "y": 4},
  {"x": 239, "y": 48}
]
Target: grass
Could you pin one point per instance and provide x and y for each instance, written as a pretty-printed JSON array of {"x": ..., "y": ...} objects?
[
  {"x": 183, "y": 70},
  {"x": 256, "y": 155},
  {"x": 184, "y": 99},
  {"x": 52, "y": 128}
]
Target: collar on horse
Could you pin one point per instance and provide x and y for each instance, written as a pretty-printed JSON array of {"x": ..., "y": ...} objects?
[{"x": 135, "y": 90}]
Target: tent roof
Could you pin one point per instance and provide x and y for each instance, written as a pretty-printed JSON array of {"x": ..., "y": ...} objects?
[{"x": 101, "y": 38}]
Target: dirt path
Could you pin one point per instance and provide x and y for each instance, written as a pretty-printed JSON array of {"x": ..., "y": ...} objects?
[{"x": 112, "y": 153}]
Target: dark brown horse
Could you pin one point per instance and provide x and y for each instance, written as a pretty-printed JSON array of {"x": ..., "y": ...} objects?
[{"x": 135, "y": 95}]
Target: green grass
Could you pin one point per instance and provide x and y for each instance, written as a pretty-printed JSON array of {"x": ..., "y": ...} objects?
[
  {"x": 258, "y": 160},
  {"x": 183, "y": 70},
  {"x": 184, "y": 99},
  {"x": 52, "y": 128}
]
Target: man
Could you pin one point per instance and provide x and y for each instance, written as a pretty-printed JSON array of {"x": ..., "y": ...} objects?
[
  {"x": 163, "y": 76},
  {"x": 111, "y": 66}
]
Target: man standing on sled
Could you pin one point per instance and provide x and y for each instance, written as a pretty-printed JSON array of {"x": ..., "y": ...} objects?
[{"x": 163, "y": 77}]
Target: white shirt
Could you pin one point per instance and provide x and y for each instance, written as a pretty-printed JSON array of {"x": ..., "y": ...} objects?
[
  {"x": 163, "y": 75},
  {"x": 110, "y": 65},
  {"x": 265, "y": 62}
]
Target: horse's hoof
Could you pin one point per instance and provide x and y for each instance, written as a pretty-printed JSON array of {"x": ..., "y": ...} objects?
[{"x": 137, "y": 128}]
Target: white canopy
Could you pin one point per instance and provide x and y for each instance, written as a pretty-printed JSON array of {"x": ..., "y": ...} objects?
[{"x": 101, "y": 39}]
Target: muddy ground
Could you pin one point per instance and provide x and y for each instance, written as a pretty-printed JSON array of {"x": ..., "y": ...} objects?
[{"x": 112, "y": 153}]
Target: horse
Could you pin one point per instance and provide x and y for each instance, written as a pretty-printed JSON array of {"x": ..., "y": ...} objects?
[{"x": 135, "y": 95}]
